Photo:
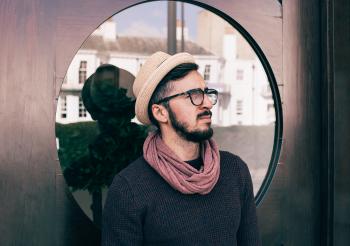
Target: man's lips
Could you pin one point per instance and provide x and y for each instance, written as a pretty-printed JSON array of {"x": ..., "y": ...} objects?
[{"x": 204, "y": 115}]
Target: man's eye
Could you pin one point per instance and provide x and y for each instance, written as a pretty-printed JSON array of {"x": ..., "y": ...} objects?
[{"x": 196, "y": 92}]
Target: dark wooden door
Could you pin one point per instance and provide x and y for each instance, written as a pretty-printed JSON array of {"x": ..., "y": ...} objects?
[{"x": 39, "y": 39}]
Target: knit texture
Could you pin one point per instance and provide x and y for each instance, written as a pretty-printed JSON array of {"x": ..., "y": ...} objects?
[{"x": 143, "y": 209}]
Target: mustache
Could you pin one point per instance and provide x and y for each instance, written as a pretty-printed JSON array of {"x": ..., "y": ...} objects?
[{"x": 205, "y": 113}]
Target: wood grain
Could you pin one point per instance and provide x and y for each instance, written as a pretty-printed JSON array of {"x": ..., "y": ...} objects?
[
  {"x": 38, "y": 40},
  {"x": 302, "y": 117}
]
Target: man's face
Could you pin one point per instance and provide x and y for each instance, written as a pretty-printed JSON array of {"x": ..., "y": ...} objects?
[{"x": 189, "y": 121}]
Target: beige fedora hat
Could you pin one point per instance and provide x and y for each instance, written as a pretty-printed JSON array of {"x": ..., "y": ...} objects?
[{"x": 151, "y": 73}]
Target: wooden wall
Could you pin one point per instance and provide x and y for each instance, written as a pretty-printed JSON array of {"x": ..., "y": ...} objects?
[
  {"x": 302, "y": 117},
  {"x": 340, "y": 113},
  {"x": 39, "y": 39}
]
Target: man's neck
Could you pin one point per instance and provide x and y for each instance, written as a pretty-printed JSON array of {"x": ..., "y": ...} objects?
[{"x": 183, "y": 148}]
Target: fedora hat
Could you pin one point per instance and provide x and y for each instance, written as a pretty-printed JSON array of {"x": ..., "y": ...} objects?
[{"x": 151, "y": 73}]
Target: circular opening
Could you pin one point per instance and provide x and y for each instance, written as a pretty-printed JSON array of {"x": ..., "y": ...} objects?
[{"x": 95, "y": 119}]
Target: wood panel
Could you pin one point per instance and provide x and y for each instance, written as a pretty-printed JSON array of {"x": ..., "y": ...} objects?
[
  {"x": 302, "y": 114},
  {"x": 341, "y": 117},
  {"x": 327, "y": 165},
  {"x": 27, "y": 175},
  {"x": 39, "y": 39}
]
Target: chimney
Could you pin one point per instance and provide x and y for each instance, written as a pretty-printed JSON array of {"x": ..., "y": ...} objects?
[
  {"x": 108, "y": 30},
  {"x": 178, "y": 30}
]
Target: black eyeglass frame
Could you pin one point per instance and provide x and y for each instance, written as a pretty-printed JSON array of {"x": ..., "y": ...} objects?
[{"x": 206, "y": 91}]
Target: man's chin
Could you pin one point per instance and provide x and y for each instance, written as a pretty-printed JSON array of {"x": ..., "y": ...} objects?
[
  {"x": 199, "y": 135},
  {"x": 204, "y": 127}
]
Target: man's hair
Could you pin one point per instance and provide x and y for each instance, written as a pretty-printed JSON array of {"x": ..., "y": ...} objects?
[{"x": 164, "y": 87}]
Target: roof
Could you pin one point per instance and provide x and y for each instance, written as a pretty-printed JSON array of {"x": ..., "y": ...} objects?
[{"x": 139, "y": 45}]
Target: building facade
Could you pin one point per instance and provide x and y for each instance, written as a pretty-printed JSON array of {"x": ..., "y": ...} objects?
[{"x": 225, "y": 61}]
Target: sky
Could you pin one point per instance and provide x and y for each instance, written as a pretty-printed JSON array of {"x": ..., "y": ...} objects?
[{"x": 149, "y": 19}]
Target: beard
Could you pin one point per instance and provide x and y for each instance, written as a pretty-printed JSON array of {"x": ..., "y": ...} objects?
[{"x": 181, "y": 128}]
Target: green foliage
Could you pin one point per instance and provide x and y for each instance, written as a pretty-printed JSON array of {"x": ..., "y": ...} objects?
[
  {"x": 91, "y": 153},
  {"x": 91, "y": 160},
  {"x": 74, "y": 140}
]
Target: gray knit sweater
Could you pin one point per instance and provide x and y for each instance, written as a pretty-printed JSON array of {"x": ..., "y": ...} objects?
[{"x": 143, "y": 209}]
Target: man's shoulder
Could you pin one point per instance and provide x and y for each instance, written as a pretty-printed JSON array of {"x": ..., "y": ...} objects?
[
  {"x": 138, "y": 172},
  {"x": 232, "y": 161},
  {"x": 234, "y": 168},
  {"x": 226, "y": 156},
  {"x": 136, "y": 168}
]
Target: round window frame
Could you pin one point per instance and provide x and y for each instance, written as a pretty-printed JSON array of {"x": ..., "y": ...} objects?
[{"x": 278, "y": 131}]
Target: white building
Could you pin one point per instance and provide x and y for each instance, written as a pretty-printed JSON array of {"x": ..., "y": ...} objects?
[
  {"x": 246, "y": 98},
  {"x": 127, "y": 53},
  {"x": 225, "y": 60}
]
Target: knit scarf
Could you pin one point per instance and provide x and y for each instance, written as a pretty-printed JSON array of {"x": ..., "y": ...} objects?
[{"x": 179, "y": 174}]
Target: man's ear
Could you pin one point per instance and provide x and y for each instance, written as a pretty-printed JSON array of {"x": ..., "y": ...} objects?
[{"x": 160, "y": 113}]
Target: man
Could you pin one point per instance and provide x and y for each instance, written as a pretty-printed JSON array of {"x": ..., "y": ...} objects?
[{"x": 183, "y": 190}]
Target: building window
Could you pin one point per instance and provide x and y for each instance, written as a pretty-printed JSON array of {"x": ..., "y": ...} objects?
[
  {"x": 82, "y": 72},
  {"x": 82, "y": 109},
  {"x": 239, "y": 107},
  {"x": 206, "y": 72},
  {"x": 239, "y": 74},
  {"x": 270, "y": 107},
  {"x": 63, "y": 107}
]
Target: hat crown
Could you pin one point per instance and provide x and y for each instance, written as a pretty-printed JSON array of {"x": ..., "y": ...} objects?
[
  {"x": 147, "y": 69},
  {"x": 151, "y": 73}
]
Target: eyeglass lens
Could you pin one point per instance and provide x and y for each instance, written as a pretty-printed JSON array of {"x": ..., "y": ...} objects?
[{"x": 197, "y": 96}]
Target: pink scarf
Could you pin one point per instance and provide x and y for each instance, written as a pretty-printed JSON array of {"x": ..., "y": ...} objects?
[{"x": 180, "y": 175}]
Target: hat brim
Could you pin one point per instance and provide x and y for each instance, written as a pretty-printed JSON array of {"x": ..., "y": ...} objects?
[{"x": 145, "y": 94}]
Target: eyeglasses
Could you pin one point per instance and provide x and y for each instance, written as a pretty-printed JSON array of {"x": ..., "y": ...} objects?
[{"x": 196, "y": 96}]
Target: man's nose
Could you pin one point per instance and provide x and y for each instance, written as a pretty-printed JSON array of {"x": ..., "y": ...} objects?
[{"x": 207, "y": 102}]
